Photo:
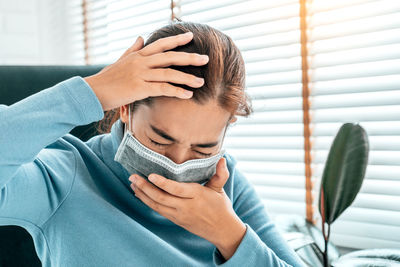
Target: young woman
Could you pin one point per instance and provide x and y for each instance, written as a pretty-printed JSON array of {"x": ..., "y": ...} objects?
[{"x": 158, "y": 190}]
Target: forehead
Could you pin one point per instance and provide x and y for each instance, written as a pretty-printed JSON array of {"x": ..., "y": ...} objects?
[{"x": 186, "y": 120}]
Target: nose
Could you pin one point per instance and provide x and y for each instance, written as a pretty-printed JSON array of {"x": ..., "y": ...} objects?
[{"x": 177, "y": 155}]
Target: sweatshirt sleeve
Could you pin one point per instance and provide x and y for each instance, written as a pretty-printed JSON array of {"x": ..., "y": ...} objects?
[
  {"x": 262, "y": 244},
  {"x": 26, "y": 129}
]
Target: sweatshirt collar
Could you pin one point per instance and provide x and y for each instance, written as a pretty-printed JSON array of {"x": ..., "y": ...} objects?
[{"x": 117, "y": 134}]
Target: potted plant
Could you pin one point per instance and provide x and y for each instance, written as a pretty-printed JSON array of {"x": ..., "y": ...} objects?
[
  {"x": 342, "y": 176},
  {"x": 340, "y": 183}
]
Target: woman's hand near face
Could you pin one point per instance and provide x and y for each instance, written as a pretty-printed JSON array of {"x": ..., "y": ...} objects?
[
  {"x": 203, "y": 210},
  {"x": 141, "y": 72}
]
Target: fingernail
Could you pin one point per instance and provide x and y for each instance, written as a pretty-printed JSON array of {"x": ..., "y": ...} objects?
[
  {"x": 153, "y": 178},
  {"x": 188, "y": 34},
  {"x": 204, "y": 58},
  {"x": 199, "y": 80},
  {"x": 188, "y": 93},
  {"x": 132, "y": 179}
]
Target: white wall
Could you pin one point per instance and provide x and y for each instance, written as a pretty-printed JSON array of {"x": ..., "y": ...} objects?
[{"x": 38, "y": 32}]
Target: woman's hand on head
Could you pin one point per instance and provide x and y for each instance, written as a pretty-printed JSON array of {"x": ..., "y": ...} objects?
[{"x": 142, "y": 72}]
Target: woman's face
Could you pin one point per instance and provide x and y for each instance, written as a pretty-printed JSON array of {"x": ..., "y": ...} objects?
[{"x": 179, "y": 129}]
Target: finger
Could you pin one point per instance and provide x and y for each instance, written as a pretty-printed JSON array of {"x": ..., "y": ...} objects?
[
  {"x": 155, "y": 193},
  {"x": 166, "y": 43},
  {"x": 183, "y": 190},
  {"x": 220, "y": 177},
  {"x": 135, "y": 47},
  {"x": 166, "y": 89},
  {"x": 167, "y": 212},
  {"x": 173, "y": 76},
  {"x": 177, "y": 58}
]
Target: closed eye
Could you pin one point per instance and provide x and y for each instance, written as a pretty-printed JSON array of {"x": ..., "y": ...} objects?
[
  {"x": 157, "y": 144},
  {"x": 204, "y": 154},
  {"x": 164, "y": 145}
]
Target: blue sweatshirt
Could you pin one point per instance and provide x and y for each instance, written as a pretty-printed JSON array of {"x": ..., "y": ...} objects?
[{"x": 77, "y": 204}]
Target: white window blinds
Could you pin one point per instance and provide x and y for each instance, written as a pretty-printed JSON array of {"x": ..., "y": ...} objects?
[
  {"x": 74, "y": 31},
  {"x": 354, "y": 49},
  {"x": 354, "y": 73},
  {"x": 354, "y": 60},
  {"x": 269, "y": 144},
  {"x": 61, "y": 32},
  {"x": 113, "y": 26}
]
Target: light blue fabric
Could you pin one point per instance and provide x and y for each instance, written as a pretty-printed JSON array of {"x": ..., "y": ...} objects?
[{"x": 75, "y": 200}]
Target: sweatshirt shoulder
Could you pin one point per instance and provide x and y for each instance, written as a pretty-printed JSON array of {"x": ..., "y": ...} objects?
[
  {"x": 230, "y": 160},
  {"x": 238, "y": 180}
]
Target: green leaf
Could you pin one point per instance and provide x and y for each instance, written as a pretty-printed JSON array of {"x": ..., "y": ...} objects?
[{"x": 344, "y": 171}]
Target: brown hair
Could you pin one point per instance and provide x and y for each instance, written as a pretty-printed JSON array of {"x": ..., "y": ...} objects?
[{"x": 224, "y": 75}]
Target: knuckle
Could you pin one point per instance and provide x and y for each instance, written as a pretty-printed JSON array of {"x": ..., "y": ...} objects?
[
  {"x": 139, "y": 183},
  {"x": 162, "y": 199},
  {"x": 179, "y": 190},
  {"x": 194, "y": 57},
  {"x": 164, "y": 88},
  {"x": 141, "y": 60},
  {"x": 137, "y": 55},
  {"x": 179, "y": 205},
  {"x": 227, "y": 174},
  {"x": 184, "y": 218},
  {"x": 180, "y": 91},
  {"x": 169, "y": 54},
  {"x": 181, "y": 216},
  {"x": 178, "y": 40},
  {"x": 156, "y": 207},
  {"x": 161, "y": 183},
  {"x": 157, "y": 42},
  {"x": 165, "y": 73},
  {"x": 200, "y": 194},
  {"x": 182, "y": 223},
  {"x": 163, "y": 45},
  {"x": 174, "y": 218},
  {"x": 189, "y": 206},
  {"x": 153, "y": 207},
  {"x": 198, "y": 187},
  {"x": 199, "y": 206}
]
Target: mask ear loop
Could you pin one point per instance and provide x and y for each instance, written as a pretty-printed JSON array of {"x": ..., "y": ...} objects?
[
  {"x": 129, "y": 116},
  {"x": 223, "y": 138}
]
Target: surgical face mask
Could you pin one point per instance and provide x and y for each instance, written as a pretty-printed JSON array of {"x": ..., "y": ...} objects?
[{"x": 137, "y": 158}]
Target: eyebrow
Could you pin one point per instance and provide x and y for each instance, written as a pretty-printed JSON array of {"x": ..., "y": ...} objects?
[{"x": 168, "y": 137}]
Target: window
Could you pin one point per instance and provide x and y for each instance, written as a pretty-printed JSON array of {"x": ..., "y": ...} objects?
[
  {"x": 354, "y": 76},
  {"x": 268, "y": 145},
  {"x": 111, "y": 26},
  {"x": 354, "y": 49}
]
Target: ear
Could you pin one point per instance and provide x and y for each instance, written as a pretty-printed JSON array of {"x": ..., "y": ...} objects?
[{"x": 123, "y": 111}]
